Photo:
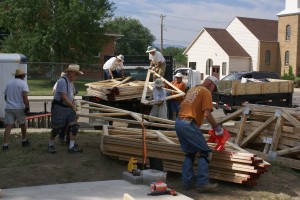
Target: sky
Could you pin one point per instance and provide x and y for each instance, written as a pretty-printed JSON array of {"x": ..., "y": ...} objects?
[{"x": 184, "y": 19}]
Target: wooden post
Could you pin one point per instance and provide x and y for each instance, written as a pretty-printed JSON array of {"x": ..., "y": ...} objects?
[{"x": 242, "y": 126}]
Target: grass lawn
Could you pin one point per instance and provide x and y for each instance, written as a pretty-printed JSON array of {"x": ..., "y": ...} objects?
[{"x": 43, "y": 87}]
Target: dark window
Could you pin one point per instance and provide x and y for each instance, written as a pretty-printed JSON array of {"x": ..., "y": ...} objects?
[
  {"x": 287, "y": 58},
  {"x": 224, "y": 68},
  {"x": 288, "y": 32},
  {"x": 192, "y": 65},
  {"x": 268, "y": 57},
  {"x": 209, "y": 64}
]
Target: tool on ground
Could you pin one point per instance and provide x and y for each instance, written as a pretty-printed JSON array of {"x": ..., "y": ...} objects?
[
  {"x": 219, "y": 139},
  {"x": 160, "y": 188},
  {"x": 132, "y": 167}
]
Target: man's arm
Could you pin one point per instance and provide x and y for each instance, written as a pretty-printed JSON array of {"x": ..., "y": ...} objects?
[
  {"x": 66, "y": 100},
  {"x": 210, "y": 118},
  {"x": 110, "y": 72},
  {"x": 5, "y": 97},
  {"x": 25, "y": 99}
]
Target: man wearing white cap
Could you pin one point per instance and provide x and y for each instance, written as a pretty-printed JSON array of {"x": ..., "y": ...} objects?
[
  {"x": 63, "y": 110},
  {"x": 17, "y": 106},
  {"x": 157, "y": 60},
  {"x": 113, "y": 67},
  {"x": 196, "y": 106},
  {"x": 174, "y": 103}
]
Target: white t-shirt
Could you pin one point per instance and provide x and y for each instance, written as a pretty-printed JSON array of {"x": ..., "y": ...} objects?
[
  {"x": 157, "y": 57},
  {"x": 13, "y": 92},
  {"x": 113, "y": 64}
]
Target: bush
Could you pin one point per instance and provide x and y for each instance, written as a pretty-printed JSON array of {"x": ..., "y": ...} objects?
[
  {"x": 290, "y": 75},
  {"x": 297, "y": 82}
]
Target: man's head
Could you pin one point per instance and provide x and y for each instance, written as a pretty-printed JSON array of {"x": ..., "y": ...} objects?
[
  {"x": 120, "y": 58},
  {"x": 73, "y": 71},
  {"x": 211, "y": 83},
  {"x": 151, "y": 50},
  {"x": 178, "y": 77},
  {"x": 20, "y": 73}
]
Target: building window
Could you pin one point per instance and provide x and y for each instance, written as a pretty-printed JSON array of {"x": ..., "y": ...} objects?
[
  {"x": 268, "y": 57},
  {"x": 287, "y": 58},
  {"x": 209, "y": 64},
  {"x": 288, "y": 32},
  {"x": 224, "y": 68},
  {"x": 192, "y": 65}
]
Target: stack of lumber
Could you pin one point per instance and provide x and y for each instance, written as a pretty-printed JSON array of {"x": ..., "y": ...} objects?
[
  {"x": 233, "y": 164},
  {"x": 116, "y": 89},
  {"x": 271, "y": 132}
]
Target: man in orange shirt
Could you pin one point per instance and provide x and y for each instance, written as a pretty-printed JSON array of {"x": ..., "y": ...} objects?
[
  {"x": 196, "y": 106},
  {"x": 174, "y": 103}
]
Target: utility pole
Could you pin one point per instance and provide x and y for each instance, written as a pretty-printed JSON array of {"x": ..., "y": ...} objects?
[{"x": 161, "y": 32}]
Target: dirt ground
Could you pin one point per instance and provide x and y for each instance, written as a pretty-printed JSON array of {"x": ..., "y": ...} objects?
[{"x": 34, "y": 166}]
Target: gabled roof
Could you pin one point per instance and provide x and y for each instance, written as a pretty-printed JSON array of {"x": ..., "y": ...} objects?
[
  {"x": 262, "y": 29},
  {"x": 227, "y": 42}
]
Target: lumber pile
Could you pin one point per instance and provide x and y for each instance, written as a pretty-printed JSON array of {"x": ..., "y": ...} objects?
[
  {"x": 271, "y": 132},
  {"x": 116, "y": 89},
  {"x": 233, "y": 164}
]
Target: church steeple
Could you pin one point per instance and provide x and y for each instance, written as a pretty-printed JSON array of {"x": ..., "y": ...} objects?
[{"x": 291, "y": 7}]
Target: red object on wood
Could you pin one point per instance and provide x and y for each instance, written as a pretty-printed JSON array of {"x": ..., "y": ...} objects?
[{"x": 219, "y": 139}]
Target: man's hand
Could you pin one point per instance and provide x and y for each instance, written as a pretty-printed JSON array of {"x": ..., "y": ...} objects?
[
  {"x": 219, "y": 130},
  {"x": 27, "y": 110},
  {"x": 74, "y": 108}
]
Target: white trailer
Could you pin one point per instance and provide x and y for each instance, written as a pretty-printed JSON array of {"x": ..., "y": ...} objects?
[{"x": 9, "y": 62}]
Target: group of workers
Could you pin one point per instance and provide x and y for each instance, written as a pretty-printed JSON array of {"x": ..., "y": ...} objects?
[{"x": 188, "y": 112}]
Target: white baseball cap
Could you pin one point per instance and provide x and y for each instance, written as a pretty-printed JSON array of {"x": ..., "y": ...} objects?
[{"x": 214, "y": 80}]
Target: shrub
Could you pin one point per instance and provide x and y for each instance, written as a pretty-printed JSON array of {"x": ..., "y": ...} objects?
[{"x": 290, "y": 75}]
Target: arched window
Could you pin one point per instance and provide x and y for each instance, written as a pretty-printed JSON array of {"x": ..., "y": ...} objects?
[
  {"x": 287, "y": 58},
  {"x": 288, "y": 32},
  {"x": 209, "y": 64},
  {"x": 268, "y": 57}
]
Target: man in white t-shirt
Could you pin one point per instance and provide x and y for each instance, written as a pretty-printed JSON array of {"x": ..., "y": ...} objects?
[
  {"x": 157, "y": 61},
  {"x": 17, "y": 106},
  {"x": 113, "y": 67}
]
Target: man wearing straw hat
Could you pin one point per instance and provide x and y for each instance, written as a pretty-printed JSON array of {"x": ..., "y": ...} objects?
[
  {"x": 63, "y": 110},
  {"x": 17, "y": 106},
  {"x": 113, "y": 67},
  {"x": 157, "y": 61}
]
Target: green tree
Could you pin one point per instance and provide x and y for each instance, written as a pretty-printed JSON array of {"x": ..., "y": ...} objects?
[
  {"x": 290, "y": 75},
  {"x": 55, "y": 30},
  {"x": 136, "y": 37},
  {"x": 176, "y": 53}
]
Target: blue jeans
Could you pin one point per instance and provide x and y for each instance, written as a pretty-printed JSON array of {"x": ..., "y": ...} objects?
[{"x": 192, "y": 141}]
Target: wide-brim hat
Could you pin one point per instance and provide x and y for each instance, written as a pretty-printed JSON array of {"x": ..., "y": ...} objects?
[
  {"x": 73, "y": 68},
  {"x": 121, "y": 57},
  {"x": 19, "y": 72},
  {"x": 159, "y": 83},
  {"x": 150, "y": 49},
  {"x": 179, "y": 75}
]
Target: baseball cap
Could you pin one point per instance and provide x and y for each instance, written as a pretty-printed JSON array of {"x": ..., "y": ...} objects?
[{"x": 214, "y": 80}]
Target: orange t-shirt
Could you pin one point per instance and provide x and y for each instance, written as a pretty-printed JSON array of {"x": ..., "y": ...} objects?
[
  {"x": 197, "y": 99},
  {"x": 180, "y": 86}
]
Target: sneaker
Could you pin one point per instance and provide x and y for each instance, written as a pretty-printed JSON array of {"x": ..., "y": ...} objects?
[
  {"x": 25, "y": 143},
  {"x": 51, "y": 149},
  {"x": 5, "y": 148},
  {"x": 208, "y": 187},
  {"x": 75, "y": 149}
]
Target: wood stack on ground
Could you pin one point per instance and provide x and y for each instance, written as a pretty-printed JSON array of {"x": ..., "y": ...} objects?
[
  {"x": 271, "y": 132},
  {"x": 233, "y": 164}
]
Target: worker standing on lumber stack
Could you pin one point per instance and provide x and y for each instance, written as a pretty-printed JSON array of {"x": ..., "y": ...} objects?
[
  {"x": 174, "y": 103},
  {"x": 157, "y": 61},
  {"x": 159, "y": 95},
  {"x": 196, "y": 106},
  {"x": 113, "y": 67},
  {"x": 17, "y": 106},
  {"x": 63, "y": 110}
]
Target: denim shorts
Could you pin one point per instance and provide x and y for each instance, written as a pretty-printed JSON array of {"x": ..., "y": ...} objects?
[
  {"x": 62, "y": 116},
  {"x": 174, "y": 106},
  {"x": 11, "y": 115}
]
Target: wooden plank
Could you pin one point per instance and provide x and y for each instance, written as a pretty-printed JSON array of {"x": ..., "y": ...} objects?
[
  {"x": 290, "y": 119},
  {"x": 230, "y": 116},
  {"x": 289, "y": 151},
  {"x": 277, "y": 134},
  {"x": 164, "y": 138},
  {"x": 242, "y": 126}
]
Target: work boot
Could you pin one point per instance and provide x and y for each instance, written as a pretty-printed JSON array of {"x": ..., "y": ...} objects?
[
  {"x": 208, "y": 187},
  {"x": 25, "y": 143},
  {"x": 51, "y": 149},
  {"x": 5, "y": 148},
  {"x": 75, "y": 149}
]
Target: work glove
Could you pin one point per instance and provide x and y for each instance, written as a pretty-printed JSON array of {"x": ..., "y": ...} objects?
[
  {"x": 112, "y": 77},
  {"x": 218, "y": 130},
  {"x": 27, "y": 110}
]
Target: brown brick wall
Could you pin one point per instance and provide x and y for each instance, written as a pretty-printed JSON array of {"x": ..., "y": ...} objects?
[
  {"x": 291, "y": 45},
  {"x": 274, "y": 51}
]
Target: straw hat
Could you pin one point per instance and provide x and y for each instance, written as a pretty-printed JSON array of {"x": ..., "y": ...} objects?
[
  {"x": 150, "y": 49},
  {"x": 73, "y": 68},
  {"x": 179, "y": 75},
  {"x": 19, "y": 72},
  {"x": 121, "y": 57},
  {"x": 159, "y": 83}
]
